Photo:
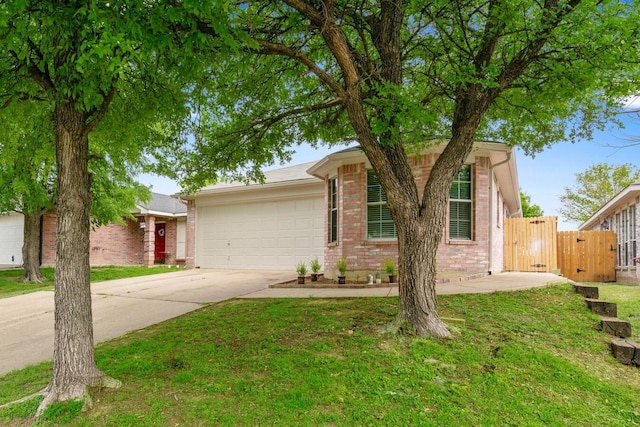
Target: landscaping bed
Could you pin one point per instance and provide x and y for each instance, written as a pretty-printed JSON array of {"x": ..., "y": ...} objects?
[{"x": 324, "y": 282}]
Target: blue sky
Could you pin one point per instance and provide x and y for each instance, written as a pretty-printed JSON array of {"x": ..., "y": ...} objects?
[{"x": 543, "y": 177}]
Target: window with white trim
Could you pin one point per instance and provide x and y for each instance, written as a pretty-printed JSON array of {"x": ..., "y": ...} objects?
[
  {"x": 380, "y": 223},
  {"x": 633, "y": 233},
  {"x": 627, "y": 236},
  {"x": 461, "y": 206},
  {"x": 333, "y": 210},
  {"x": 619, "y": 237}
]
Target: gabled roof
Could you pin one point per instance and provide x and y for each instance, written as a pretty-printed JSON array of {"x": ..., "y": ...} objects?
[
  {"x": 618, "y": 201},
  {"x": 163, "y": 205},
  {"x": 313, "y": 173},
  {"x": 501, "y": 155},
  {"x": 291, "y": 175}
]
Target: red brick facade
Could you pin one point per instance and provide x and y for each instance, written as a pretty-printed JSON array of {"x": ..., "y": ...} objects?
[
  {"x": 116, "y": 244},
  {"x": 365, "y": 256}
]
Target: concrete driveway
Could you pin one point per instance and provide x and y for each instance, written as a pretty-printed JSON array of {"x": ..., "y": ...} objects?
[{"x": 120, "y": 306}]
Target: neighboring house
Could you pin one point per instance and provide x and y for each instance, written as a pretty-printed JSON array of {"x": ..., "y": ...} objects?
[
  {"x": 295, "y": 217},
  {"x": 622, "y": 215},
  {"x": 156, "y": 235},
  {"x": 11, "y": 236}
]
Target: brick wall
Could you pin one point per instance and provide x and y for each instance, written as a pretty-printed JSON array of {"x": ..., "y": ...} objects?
[
  {"x": 49, "y": 238},
  {"x": 149, "y": 240},
  {"x": 170, "y": 242},
  {"x": 115, "y": 244},
  {"x": 471, "y": 256},
  {"x": 367, "y": 256}
]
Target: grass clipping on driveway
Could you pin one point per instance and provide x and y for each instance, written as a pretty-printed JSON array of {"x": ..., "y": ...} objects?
[{"x": 523, "y": 358}]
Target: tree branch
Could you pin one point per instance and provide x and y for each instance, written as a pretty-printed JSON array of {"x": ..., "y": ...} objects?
[
  {"x": 551, "y": 17},
  {"x": 296, "y": 112},
  {"x": 103, "y": 110},
  {"x": 269, "y": 48},
  {"x": 22, "y": 97},
  {"x": 260, "y": 127},
  {"x": 308, "y": 11},
  {"x": 40, "y": 78},
  {"x": 491, "y": 35}
]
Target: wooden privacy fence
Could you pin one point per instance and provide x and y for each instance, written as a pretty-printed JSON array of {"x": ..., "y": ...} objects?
[
  {"x": 534, "y": 244},
  {"x": 530, "y": 244},
  {"x": 587, "y": 256}
]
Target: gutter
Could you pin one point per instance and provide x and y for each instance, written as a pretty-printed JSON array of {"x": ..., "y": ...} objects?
[{"x": 491, "y": 179}]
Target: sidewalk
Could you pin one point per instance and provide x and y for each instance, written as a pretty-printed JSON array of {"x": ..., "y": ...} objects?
[{"x": 510, "y": 281}]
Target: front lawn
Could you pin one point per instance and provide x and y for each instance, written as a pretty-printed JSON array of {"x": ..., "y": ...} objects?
[
  {"x": 11, "y": 280},
  {"x": 627, "y": 297},
  {"x": 528, "y": 358}
]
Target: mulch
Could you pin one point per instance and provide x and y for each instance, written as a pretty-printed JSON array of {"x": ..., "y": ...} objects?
[{"x": 323, "y": 282}]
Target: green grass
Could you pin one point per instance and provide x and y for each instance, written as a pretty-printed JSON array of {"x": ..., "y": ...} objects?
[
  {"x": 11, "y": 280},
  {"x": 627, "y": 297},
  {"x": 529, "y": 358}
]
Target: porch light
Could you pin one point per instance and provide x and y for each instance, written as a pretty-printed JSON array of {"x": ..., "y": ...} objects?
[
  {"x": 143, "y": 224},
  {"x": 604, "y": 225}
]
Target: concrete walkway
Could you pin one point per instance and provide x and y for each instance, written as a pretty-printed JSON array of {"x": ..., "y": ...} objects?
[{"x": 121, "y": 306}]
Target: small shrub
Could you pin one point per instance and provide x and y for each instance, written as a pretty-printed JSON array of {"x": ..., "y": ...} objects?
[
  {"x": 342, "y": 266},
  {"x": 390, "y": 267},
  {"x": 301, "y": 268},
  {"x": 315, "y": 266}
]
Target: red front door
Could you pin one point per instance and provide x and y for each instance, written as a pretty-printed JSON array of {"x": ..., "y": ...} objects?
[{"x": 159, "y": 252}]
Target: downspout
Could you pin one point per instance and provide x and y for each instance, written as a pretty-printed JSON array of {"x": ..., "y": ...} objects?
[{"x": 491, "y": 168}]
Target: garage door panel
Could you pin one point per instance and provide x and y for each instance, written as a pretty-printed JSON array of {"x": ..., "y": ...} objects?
[
  {"x": 304, "y": 242},
  {"x": 261, "y": 235},
  {"x": 304, "y": 224}
]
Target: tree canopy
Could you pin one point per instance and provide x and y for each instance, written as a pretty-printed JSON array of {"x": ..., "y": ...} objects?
[
  {"x": 400, "y": 76},
  {"x": 594, "y": 187},
  {"x": 529, "y": 210},
  {"x": 27, "y": 158},
  {"x": 533, "y": 62},
  {"x": 89, "y": 62}
]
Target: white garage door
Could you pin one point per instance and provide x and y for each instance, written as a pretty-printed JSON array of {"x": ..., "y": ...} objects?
[
  {"x": 11, "y": 235},
  {"x": 269, "y": 235}
]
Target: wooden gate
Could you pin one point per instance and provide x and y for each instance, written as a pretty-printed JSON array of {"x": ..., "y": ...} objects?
[
  {"x": 530, "y": 244},
  {"x": 587, "y": 256}
]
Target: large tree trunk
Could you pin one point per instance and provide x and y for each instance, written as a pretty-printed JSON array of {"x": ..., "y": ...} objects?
[
  {"x": 418, "y": 241},
  {"x": 31, "y": 247},
  {"x": 420, "y": 218},
  {"x": 74, "y": 367}
]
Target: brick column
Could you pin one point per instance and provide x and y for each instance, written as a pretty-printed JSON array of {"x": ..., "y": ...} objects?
[
  {"x": 171, "y": 238},
  {"x": 149, "y": 240},
  {"x": 190, "y": 231}
]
